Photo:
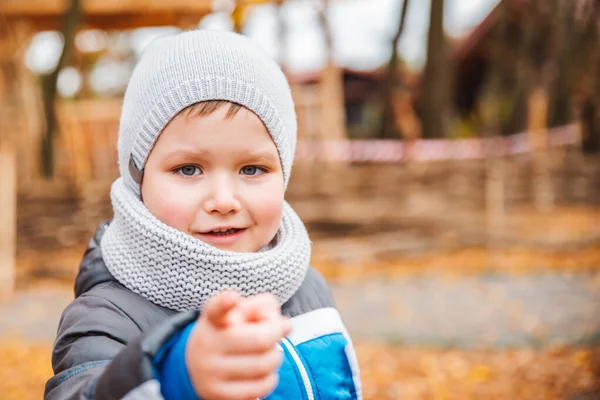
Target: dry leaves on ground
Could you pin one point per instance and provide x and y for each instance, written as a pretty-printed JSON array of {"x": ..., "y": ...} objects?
[
  {"x": 24, "y": 369},
  {"x": 390, "y": 372},
  {"x": 427, "y": 374},
  {"x": 468, "y": 261}
]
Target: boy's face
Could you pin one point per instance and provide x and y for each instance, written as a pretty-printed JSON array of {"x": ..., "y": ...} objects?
[{"x": 218, "y": 179}]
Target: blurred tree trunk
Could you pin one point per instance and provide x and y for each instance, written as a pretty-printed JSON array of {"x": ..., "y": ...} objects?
[
  {"x": 11, "y": 112},
  {"x": 543, "y": 191},
  {"x": 578, "y": 71},
  {"x": 324, "y": 6},
  {"x": 282, "y": 35},
  {"x": 435, "y": 77},
  {"x": 332, "y": 112},
  {"x": 388, "y": 127},
  {"x": 494, "y": 180},
  {"x": 591, "y": 138},
  {"x": 537, "y": 105},
  {"x": 554, "y": 92},
  {"x": 333, "y": 108},
  {"x": 8, "y": 100},
  {"x": 516, "y": 121},
  {"x": 49, "y": 90},
  {"x": 560, "y": 111}
]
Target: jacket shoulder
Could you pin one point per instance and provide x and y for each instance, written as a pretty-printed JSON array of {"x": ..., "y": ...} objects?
[
  {"x": 91, "y": 328},
  {"x": 99, "y": 340},
  {"x": 313, "y": 294}
]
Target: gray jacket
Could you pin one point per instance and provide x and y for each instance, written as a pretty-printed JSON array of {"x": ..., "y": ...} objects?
[{"x": 109, "y": 336}]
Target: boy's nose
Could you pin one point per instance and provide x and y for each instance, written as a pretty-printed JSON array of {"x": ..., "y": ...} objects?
[{"x": 222, "y": 199}]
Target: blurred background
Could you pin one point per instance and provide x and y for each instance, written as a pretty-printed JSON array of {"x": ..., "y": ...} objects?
[{"x": 448, "y": 171}]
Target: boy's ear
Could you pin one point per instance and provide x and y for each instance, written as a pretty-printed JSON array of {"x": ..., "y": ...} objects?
[{"x": 136, "y": 173}]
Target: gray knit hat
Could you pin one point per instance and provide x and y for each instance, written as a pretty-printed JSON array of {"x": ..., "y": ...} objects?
[{"x": 177, "y": 71}]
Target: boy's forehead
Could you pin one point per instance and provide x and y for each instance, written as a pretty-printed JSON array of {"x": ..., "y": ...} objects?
[{"x": 244, "y": 134}]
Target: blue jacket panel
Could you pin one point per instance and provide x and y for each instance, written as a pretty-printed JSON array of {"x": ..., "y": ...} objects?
[{"x": 319, "y": 362}]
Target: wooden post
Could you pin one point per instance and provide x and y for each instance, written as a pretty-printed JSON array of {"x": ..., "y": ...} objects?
[
  {"x": 494, "y": 190},
  {"x": 332, "y": 127},
  {"x": 543, "y": 190},
  {"x": 8, "y": 221},
  {"x": 11, "y": 128},
  {"x": 495, "y": 199},
  {"x": 333, "y": 113},
  {"x": 332, "y": 108}
]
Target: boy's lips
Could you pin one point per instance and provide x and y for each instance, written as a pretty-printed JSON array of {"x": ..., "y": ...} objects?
[
  {"x": 221, "y": 236},
  {"x": 220, "y": 229}
]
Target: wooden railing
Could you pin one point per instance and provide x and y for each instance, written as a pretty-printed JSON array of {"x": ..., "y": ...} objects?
[{"x": 89, "y": 132}]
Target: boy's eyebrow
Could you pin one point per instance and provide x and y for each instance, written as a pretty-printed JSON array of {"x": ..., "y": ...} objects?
[
  {"x": 258, "y": 155},
  {"x": 187, "y": 153},
  {"x": 250, "y": 155}
]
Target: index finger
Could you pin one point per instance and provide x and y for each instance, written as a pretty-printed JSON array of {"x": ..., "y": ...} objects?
[
  {"x": 260, "y": 308},
  {"x": 219, "y": 307}
]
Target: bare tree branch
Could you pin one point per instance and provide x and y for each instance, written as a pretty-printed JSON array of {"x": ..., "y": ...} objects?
[
  {"x": 387, "y": 122},
  {"x": 49, "y": 83},
  {"x": 324, "y": 6},
  {"x": 435, "y": 78}
]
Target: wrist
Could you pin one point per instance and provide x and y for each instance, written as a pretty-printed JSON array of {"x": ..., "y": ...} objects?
[{"x": 171, "y": 368}]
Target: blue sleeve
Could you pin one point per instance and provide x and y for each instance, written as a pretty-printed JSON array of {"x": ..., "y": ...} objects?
[{"x": 170, "y": 368}]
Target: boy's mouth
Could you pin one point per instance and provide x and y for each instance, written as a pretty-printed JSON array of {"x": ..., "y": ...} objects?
[
  {"x": 222, "y": 231},
  {"x": 225, "y": 236}
]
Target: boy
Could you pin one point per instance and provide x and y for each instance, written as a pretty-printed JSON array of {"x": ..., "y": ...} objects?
[{"x": 200, "y": 286}]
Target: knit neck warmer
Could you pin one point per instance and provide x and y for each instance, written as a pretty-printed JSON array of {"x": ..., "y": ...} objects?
[{"x": 175, "y": 270}]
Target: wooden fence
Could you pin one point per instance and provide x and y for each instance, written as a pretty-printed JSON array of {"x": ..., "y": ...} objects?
[{"x": 343, "y": 184}]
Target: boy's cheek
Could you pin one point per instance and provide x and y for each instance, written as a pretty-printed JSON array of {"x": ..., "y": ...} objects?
[
  {"x": 171, "y": 207},
  {"x": 175, "y": 216},
  {"x": 270, "y": 209}
]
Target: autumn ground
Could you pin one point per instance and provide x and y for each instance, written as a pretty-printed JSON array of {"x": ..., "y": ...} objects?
[
  {"x": 557, "y": 280},
  {"x": 395, "y": 373}
]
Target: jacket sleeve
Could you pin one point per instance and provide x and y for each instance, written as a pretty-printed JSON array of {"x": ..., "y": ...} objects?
[
  {"x": 101, "y": 354},
  {"x": 171, "y": 368}
]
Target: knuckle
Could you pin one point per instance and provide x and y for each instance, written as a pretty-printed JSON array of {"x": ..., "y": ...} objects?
[
  {"x": 235, "y": 338},
  {"x": 268, "y": 363},
  {"x": 262, "y": 388},
  {"x": 263, "y": 342},
  {"x": 267, "y": 339}
]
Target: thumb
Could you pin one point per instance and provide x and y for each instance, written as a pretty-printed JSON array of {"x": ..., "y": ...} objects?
[{"x": 219, "y": 307}]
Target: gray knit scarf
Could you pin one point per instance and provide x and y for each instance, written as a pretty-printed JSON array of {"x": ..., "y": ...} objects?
[{"x": 177, "y": 271}]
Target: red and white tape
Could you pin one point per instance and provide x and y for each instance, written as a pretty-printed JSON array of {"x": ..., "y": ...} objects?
[{"x": 430, "y": 149}]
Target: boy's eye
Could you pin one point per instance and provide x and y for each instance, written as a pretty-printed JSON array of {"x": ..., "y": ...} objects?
[
  {"x": 252, "y": 170},
  {"x": 189, "y": 170}
]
